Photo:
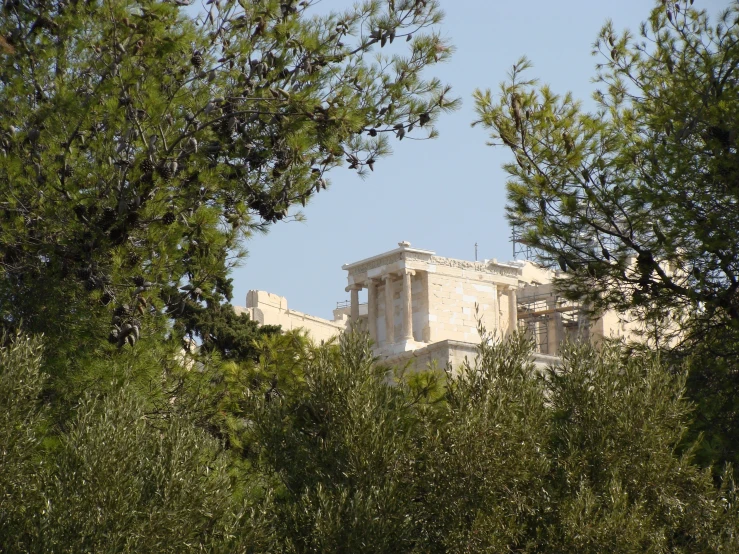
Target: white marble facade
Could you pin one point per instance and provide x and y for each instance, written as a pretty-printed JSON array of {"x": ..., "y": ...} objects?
[
  {"x": 422, "y": 308},
  {"x": 415, "y": 298}
]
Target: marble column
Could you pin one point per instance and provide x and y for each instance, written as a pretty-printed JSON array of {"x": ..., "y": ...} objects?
[
  {"x": 372, "y": 309},
  {"x": 407, "y": 305},
  {"x": 552, "y": 326},
  {"x": 558, "y": 333},
  {"x": 496, "y": 308},
  {"x": 512, "y": 310},
  {"x": 389, "y": 310},
  {"x": 354, "y": 304}
]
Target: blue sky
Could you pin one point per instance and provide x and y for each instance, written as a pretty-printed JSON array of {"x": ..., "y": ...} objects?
[{"x": 443, "y": 194}]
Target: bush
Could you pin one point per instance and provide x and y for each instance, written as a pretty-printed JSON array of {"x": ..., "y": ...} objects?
[
  {"x": 583, "y": 457},
  {"x": 349, "y": 456},
  {"x": 117, "y": 480}
]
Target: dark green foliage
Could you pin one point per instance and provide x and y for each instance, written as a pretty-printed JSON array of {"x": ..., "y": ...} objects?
[
  {"x": 580, "y": 458},
  {"x": 621, "y": 487},
  {"x": 348, "y": 456},
  {"x": 224, "y": 331},
  {"x": 140, "y": 144},
  {"x": 21, "y": 426},
  {"x": 713, "y": 385},
  {"x": 341, "y": 449},
  {"x": 219, "y": 396},
  {"x": 637, "y": 202},
  {"x": 118, "y": 479},
  {"x": 486, "y": 466},
  {"x": 124, "y": 482}
]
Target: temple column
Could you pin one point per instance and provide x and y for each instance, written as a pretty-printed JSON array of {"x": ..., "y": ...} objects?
[
  {"x": 496, "y": 308},
  {"x": 354, "y": 304},
  {"x": 558, "y": 333},
  {"x": 407, "y": 305},
  {"x": 372, "y": 309},
  {"x": 512, "y": 310},
  {"x": 389, "y": 311},
  {"x": 552, "y": 325}
]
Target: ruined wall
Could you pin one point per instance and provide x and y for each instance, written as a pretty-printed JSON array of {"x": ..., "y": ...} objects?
[{"x": 270, "y": 309}]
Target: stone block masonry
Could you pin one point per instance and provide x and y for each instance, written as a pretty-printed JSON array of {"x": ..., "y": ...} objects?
[
  {"x": 422, "y": 307},
  {"x": 417, "y": 298},
  {"x": 270, "y": 309}
]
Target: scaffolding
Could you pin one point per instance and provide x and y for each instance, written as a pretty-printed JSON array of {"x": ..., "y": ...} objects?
[
  {"x": 520, "y": 246},
  {"x": 548, "y": 319}
]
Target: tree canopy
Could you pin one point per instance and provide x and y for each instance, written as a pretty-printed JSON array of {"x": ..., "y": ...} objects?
[
  {"x": 496, "y": 457},
  {"x": 140, "y": 144},
  {"x": 636, "y": 201}
]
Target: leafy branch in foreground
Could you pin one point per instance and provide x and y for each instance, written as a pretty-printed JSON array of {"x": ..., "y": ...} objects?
[
  {"x": 636, "y": 201},
  {"x": 140, "y": 144}
]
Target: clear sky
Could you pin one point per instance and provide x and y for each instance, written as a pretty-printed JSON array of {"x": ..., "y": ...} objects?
[{"x": 444, "y": 194}]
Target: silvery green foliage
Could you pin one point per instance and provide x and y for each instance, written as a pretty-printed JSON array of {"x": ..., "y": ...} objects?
[
  {"x": 127, "y": 483},
  {"x": 621, "y": 482},
  {"x": 355, "y": 457},
  {"x": 116, "y": 480},
  {"x": 341, "y": 449},
  {"x": 21, "y": 419},
  {"x": 579, "y": 458}
]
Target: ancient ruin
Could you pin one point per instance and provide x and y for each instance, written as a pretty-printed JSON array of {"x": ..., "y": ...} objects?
[{"x": 423, "y": 308}]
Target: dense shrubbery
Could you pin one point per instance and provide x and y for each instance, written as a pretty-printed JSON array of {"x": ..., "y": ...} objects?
[
  {"x": 115, "y": 480},
  {"x": 351, "y": 457}
]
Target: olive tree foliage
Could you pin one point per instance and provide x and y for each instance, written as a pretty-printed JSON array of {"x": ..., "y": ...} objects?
[
  {"x": 485, "y": 471},
  {"x": 115, "y": 479},
  {"x": 575, "y": 458},
  {"x": 623, "y": 483},
  {"x": 355, "y": 457},
  {"x": 20, "y": 423},
  {"x": 340, "y": 445},
  {"x": 141, "y": 142},
  {"x": 499, "y": 457},
  {"x": 637, "y": 200}
]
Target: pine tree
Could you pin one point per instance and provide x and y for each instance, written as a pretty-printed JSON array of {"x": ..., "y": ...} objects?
[
  {"x": 636, "y": 202},
  {"x": 141, "y": 144}
]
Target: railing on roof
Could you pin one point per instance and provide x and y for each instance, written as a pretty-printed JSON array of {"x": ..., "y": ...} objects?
[{"x": 347, "y": 304}]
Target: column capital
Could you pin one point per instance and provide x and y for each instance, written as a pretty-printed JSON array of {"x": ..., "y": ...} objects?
[
  {"x": 406, "y": 271},
  {"x": 355, "y": 286}
]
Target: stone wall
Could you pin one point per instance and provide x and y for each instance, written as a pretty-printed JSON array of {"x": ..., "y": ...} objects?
[
  {"x": 452, "y": 301},
  {"x": 270, "y": 309},
  {"x": 423, "y": 308},
  {"x": 445, "y": 297},
  {"x": 453, "y": 353}
]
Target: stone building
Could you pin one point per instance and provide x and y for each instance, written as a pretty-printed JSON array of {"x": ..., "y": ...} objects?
[{"x": 422, "y": 308}]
